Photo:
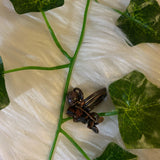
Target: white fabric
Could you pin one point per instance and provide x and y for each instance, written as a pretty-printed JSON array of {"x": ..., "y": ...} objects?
[{"x": 28, "y": 124}]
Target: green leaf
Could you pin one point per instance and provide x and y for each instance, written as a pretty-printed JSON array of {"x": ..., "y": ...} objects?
[
  {"x": 25, "y": 6},
  {"x": 115, "y": 152},
  {"x": 141, "y": 21},
  {"x": 138, "y": 101},
  {"x": 4, "y": 100}
]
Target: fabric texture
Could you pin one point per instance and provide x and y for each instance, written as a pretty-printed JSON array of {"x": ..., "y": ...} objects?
[{"x": 28, "y": 124}]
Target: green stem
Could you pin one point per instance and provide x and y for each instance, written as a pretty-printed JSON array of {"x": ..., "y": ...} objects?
[
  {"x": 37, "y": 68},
  {"x": 61, "y": 114},
  {"x": 66, "y": 119},
  {"x": 75, "y": 144},
  {"x": 54, "y": 37},
  {"x": 68, "y": 80},
  {"x": 82, "y": 31},
  {"x": 112, "y": 113}
]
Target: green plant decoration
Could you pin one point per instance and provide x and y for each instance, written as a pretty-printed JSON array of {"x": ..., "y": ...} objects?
[
  {"x": 4, "y": 99},
  {"x": 25, "y": 6},
  {"x": 140, "y": 21},
  {"x": 115, "y": 152},
  {"x": 138, "y": 102}
]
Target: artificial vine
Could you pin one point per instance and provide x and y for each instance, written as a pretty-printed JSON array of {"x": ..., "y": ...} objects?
[{"x": 128, "y": 86}]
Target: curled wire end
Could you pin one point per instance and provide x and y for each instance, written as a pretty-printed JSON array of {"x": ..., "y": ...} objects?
[{"x": 79, "y": 108}]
